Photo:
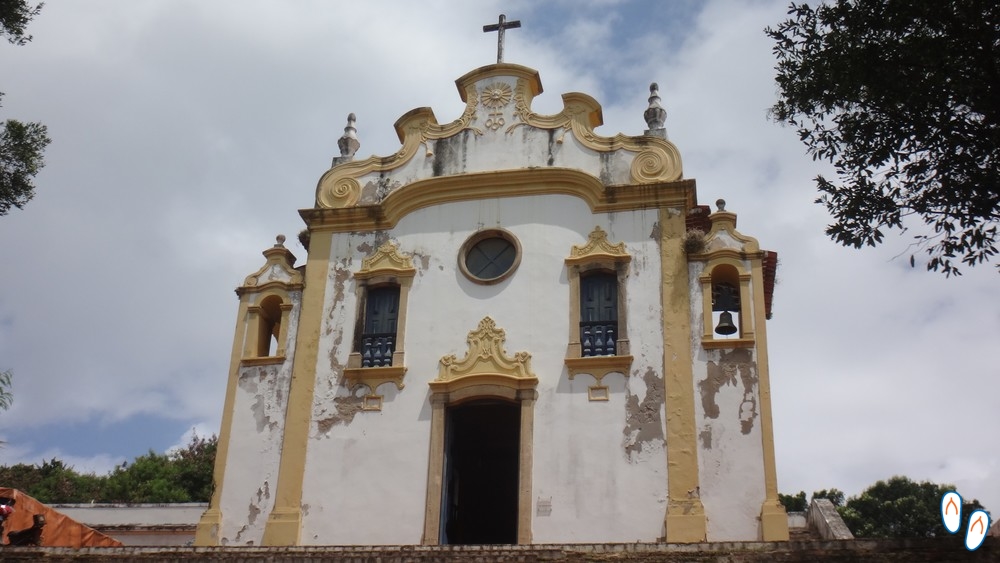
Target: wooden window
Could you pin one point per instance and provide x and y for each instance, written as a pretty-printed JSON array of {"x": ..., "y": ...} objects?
[
  {"x": 598, "y": 314},
  {"x": 378, "y": 340}
]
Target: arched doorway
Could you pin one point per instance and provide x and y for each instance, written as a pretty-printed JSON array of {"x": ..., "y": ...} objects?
[
  {"x": 482, "y": 422},
  {"x": 479, "y": 501}
]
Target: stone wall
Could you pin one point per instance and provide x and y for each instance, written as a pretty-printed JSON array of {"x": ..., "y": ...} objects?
[{"x": 883, "y": 551}]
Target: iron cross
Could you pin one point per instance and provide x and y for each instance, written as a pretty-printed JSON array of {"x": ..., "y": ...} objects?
[{"x": 500, "y": 26}]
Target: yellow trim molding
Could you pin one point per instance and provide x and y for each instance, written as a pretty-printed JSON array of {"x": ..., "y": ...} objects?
[
  {"x": 685, "y": 516},
  {"x": 774, "y": 520},
  {"x": 375, "y": 376},
  {"x": 598, "y": 367},
  {"x": 508, "y": 183}
]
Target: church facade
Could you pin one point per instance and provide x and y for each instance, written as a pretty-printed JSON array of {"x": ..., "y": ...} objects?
[{"x": 512, "y": 330}]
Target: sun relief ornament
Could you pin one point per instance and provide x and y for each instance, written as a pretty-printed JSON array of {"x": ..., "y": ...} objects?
[{"x": 495, "y": 97}]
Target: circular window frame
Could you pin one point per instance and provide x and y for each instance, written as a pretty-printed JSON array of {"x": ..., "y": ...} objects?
[{"x": 480, "y": 236}]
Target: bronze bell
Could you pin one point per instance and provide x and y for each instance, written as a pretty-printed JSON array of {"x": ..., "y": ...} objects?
[{"x": 726, "y": 326}]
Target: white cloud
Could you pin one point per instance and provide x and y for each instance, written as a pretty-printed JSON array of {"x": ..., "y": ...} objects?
[{"x": 187, "y": 134}]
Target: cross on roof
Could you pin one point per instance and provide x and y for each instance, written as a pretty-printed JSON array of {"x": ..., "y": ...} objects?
[{"x": 500, "y": 26}]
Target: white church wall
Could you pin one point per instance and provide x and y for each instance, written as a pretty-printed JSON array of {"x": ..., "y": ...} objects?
[
  {"x": 255, "y": 444},
  {"x": 366, "y": 471}
]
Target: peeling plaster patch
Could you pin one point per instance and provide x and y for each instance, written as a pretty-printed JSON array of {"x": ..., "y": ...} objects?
[
  {"x": 347, "y": 407},
  {"x": 642, "y": 419},
  {"x": 732, "y": 363},
  {"x": 253, "y": 513},
  {"x": 706, "y": 437},
  {"x": 259, "y": 388},
  {"x": 423, "y": 261},
  {"x": 305, "y": 510},
  {"x": 247, "y": 382},
  {"x": 374, "y": 191},
  {"x": 341, "y": 273},
  {"x": 240, "y": 533},
  {"x": 259, "y": 410}
]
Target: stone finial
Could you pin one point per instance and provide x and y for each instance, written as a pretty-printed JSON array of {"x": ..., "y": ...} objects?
[
  {"x": 348, "y": 142},
  {"x": 655, "y": 115},
  {"x": 721, "y": 204},
  {"x": 279, "y": 241}
]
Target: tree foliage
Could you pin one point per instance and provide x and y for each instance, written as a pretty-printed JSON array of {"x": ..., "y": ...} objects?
[
  {"x": 6, "y": 382},
  {"x": 835, "y": 496},
  {"x": 14, "y": 18},
  {"x": 798, "y": 503},
  {"x": 903, "y": 98},
  {"x": 901, "y": 508},
  {"x": 21, "y": 144},
  {"x": 183, "y": 475},
  {"x": 794, "y": 503}
]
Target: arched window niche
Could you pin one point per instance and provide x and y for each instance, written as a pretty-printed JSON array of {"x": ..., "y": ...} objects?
[
  {"x": 726, "y": 304},
  {"x": 598, "y": 326},
  {"x": 267, "y": 328},
  {"x": 383, "y": 286},
  {"x": 267, "y": 294}
]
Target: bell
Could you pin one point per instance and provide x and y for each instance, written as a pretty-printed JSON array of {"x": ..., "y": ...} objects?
[{"x": 726, "y": 326}]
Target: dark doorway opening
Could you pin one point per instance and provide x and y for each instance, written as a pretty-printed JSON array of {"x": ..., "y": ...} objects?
[{"x": 481, "y": 466}]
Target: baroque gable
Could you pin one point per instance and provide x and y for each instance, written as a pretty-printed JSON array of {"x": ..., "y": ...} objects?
[{"x": 499, "y": 131}]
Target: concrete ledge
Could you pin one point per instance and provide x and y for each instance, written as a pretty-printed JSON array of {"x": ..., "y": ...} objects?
[{"x": 824, "y": 518}]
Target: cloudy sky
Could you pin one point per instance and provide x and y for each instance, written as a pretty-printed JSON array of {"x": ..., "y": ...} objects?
[{"x": 187, "y": 134}]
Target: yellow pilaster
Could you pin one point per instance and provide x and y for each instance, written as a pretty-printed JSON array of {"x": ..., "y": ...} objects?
[
  {"x": 773, "y": 519},
  {"x": 435, "y": 471},
  {"x": 685, "y": 518},
  {"x": 207, "y": 531},
  {"x": 285, "y": 521}
]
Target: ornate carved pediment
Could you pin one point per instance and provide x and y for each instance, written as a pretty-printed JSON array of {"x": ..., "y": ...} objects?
[
  {"x": 486, "y": 362},
  {"x": 278, "y": 271},
  {"x": 598, "y": 247},
  {"x": 387, "y": 260}
]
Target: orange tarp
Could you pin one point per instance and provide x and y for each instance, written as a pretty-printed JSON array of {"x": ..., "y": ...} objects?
[{"x": 60, "y": 530}]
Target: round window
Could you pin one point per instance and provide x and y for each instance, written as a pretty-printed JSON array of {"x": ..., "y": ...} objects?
[{"x": 489, "y": 256}]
